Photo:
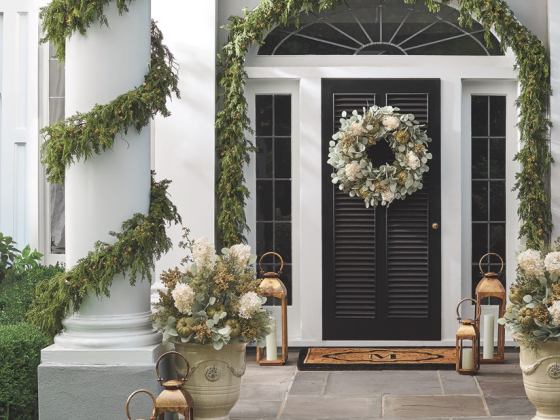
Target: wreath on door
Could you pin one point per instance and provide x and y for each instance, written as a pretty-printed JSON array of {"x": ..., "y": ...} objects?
[{"x": 354, "y": 171}]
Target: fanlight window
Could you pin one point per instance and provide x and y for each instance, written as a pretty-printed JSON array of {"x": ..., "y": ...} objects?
[{"x": 378, "y": 27}]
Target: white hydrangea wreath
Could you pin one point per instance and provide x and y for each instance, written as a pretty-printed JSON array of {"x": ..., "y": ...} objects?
[{"x": 354, "y": 171}]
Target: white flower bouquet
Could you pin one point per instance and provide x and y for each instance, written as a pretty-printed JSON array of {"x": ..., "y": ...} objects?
[
  {"x": 535, "y": 296},
  {"x": 215, "y": 300}
]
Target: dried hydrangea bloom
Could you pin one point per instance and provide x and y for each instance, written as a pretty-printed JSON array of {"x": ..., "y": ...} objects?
[
  {"x": 248, "y": 304},
  {"x": 183, "y": 295},
  {"x": 531, "y": 263},
  {"x": 388, "y": 196},
  {"x": 390, "y": 122},
  {"x": 241, "y": 253},
  {"x": 552, "y": 263},
  {"x": 204, "y": 253},
  {"x": 355, "y": 130},
  {"x": 554, "y": 310},
  {"x": 353, "y": 170},
  {"x": 411, "y": 160}
]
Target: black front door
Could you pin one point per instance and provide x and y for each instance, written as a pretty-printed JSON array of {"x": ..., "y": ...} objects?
[{"x": 381, "y": 267}]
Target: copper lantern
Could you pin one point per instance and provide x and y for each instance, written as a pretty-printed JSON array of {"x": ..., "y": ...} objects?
[
  {"x": 153, "y": 416},
  {"x": 174, "y": 398},
  {"x": 491, "y": 287},
  {"x": 467, "y": 342},
  {"x": 272, "y": 286}
]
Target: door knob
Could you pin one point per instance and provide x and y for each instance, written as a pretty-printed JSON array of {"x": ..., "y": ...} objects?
[{"x": 435, "y": 226}]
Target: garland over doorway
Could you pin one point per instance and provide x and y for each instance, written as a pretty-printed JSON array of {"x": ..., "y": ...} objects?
[{"x": 232, "y": 122}]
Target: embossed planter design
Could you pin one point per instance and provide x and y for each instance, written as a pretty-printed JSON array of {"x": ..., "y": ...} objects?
[
  {"x": 541, "y": 377},
  {"x": 215, "y": 378}
]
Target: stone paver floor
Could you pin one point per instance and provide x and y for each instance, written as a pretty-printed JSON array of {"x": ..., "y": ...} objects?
[{"x": 283, "y": 392}]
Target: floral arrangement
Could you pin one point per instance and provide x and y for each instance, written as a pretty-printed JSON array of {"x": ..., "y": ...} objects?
[
  {"x": 535, "y": 296},
  {"x": 215, "y": 300},
  {"x": 354, "y": 171}
]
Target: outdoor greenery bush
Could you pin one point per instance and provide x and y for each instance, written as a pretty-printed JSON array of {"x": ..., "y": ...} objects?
[
  {"x": 11, "y": 257},
  {"x": 20, "y": 347},
  {"x": 20, "y": 343},
  {"x": 18, "y": 290}
]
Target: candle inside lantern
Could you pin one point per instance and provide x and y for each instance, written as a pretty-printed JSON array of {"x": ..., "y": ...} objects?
[
  {"x": 488, "y": 350},
  {"x": 467, "y": 359},
  {"x": 271, "y": 350}
]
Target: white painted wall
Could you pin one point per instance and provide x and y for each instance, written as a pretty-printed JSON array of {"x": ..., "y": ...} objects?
[
  {"x": 19, "y": 163},
  {"x": 185, "y": 142}
]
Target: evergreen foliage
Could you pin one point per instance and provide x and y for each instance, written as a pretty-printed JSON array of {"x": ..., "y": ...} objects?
[
  {"x": 143, "y": 239},
  {"x": 63, "y": 18},
  {"x": 232, "y": 121},
  {"x": 86, "y": 134}
]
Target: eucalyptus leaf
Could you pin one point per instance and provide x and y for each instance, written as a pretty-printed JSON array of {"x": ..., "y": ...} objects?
[
  {"x": 218, "y": 345},
  {"x": 212, "y": 300},
  {"x": 225, "y": 331},
  {"x": 209, "y": 323},
  {"x": 527, "y": 298}
]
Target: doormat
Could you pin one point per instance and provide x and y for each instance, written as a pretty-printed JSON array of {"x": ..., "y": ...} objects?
[{"x": 377, "y": 358}]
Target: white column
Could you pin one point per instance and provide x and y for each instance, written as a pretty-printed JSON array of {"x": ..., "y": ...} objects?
[
  {"x": 109, "y": 188},
  {"x": 554, "y": 48}
]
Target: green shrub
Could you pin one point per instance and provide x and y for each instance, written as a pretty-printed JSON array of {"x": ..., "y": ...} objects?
[
  {"x": 17, "y": 291},
  {"x": 20, "y": 347},
  {"x": 20, "y": 343}
]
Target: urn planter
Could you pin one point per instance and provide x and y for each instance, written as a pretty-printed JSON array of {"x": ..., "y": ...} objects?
[
  {"x": 214, "y": 380},
  {"x": 541, "y": 378}
]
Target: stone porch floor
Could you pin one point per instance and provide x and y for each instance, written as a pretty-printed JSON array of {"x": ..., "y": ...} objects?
[{"x": 283, "y": 392}]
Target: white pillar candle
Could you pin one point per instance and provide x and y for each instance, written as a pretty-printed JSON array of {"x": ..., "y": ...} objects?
[
  {"x": 488, "y": 348},
  {"x": 467, "y": 358},
  {"x": 271, "y": 350}
]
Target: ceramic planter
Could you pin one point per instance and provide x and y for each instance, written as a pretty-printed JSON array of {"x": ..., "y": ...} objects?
[
  {"x": 214, "y": 381},
  {"x": 541, "y": 378}
]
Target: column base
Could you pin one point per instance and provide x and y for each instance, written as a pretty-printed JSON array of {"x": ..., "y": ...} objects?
[{"x": 95, "y": 384}]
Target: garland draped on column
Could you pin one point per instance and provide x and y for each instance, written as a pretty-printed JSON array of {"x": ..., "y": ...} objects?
[{"x": 143, "y": 238}]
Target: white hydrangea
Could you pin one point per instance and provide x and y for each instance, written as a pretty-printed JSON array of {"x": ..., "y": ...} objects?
[
  {"x": 552, "y": 263},
  {"x": 183, "y": 294},
  {"x": 531, "y": 263},
  {"x": 411, "y": 160},
  {"x": 353, "y": 170},
  {"x": 554, "y": 311},
  {"x": 388, "y": 196},
  {"x": 241, "y": 253},
  {"x": 355, "y": 130},
  {"x": 390, "y": 122},
  {"x": 204, "y": 253},
  {"x": 249, "y": 303}
]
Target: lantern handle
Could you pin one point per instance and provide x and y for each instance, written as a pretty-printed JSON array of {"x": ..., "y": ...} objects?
[
  {"x": 271, "y": 253},
  {"x": 486, "y": 255},
  {"x": 184, "y": 379},
  {"x": 477, "y": 311},
  {"x": 153, "y": 416}
]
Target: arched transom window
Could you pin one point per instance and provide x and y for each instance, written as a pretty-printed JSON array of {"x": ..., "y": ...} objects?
[{"x": 379, "y": 27}]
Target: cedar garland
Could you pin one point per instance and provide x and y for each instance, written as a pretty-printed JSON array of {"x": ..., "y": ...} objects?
[
  {"x": 143, "y": 238},
  {"x": 534, "y": 71}
]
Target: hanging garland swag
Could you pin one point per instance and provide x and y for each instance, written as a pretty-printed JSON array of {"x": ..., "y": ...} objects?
[
  {"x": 143, "y": 238},
  {"x": 232, "y": 121},
  {"x": 354, "y": 171}
]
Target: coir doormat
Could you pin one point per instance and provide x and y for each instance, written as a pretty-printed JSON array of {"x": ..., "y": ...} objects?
[{"x": 377, "y": 358}]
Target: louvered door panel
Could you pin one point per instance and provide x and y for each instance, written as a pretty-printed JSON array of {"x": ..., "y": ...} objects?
[
  {"x": 407, "y": 257},
  {"x": 408, "y": 234},
  {"x": 354, "y": 265},
  {"x": 381, "y": 266}
]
